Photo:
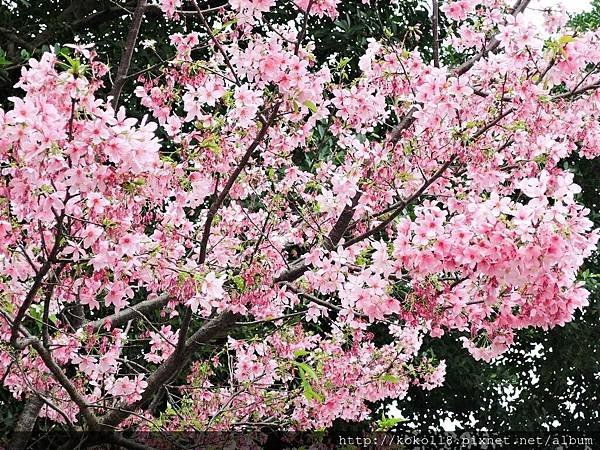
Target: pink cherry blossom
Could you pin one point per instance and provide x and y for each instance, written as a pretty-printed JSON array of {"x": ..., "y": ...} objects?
[{"x": 206, "y": 251}]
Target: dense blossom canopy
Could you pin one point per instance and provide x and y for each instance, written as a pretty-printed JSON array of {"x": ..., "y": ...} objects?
[{"x": 443, "y": 208}]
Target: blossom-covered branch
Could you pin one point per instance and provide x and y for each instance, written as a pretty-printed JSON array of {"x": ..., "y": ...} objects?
[{"x": 237, "y": 249}]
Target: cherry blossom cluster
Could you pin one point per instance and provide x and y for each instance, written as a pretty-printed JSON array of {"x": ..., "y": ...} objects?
[{"x": 200, "y": 243}]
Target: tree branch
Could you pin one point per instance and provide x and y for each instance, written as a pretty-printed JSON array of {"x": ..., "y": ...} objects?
[
  {"x": 214, "y": 208},
  {"x": 125, "y": 62},
  {"x": 230, "y": 182},
  {"x": 436, "y": 32},
  {"x": 401, "y": 206},
  {"x": 408, "y": 118},
  {"x": 333, "y": 239},
  {"x": 63, "y": 380},
  {"x": 122, "y": 317},
  {"x": 340, "y": 227},
  {"x": 215, "y": 41},
  {"x": 406, "y": 122},
  {"x": 25, "y": 424},
  {"x": 492, "y": 46},
  {"x": 212, "y": 329},
  {"x": 37, "y": 282},
  {"x": 581, "y": 90}
]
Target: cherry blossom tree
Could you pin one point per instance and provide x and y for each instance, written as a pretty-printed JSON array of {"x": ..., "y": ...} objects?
[{"x": 192, "y": 271}]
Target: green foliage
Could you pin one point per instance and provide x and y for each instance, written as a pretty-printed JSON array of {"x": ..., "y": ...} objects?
[
  {"x": 588, "y": 20},
  {"x": 387, "y": 423}
]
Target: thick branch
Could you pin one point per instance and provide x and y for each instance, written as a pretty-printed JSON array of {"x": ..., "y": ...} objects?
[
  {"x": 302, "y": 33},
  {"x": 340, "y": 227},
  {"x": 292, "y": 274},
  {"x": 575, "y": 92},
  {"x": 125, "y": 62},
  {"x": 24, "y": 426},
  {"x": 230, "y": 182},
  {"x": 37, "y": 283},
  {"x": 122, "y": 317},
  {"x": 401, "y": 206},
  {"x": 64, "y": 381},
  {"x": 296, "y": 272},
  {"x": 333, "y": 239},
  {"x": 212, "y": 329},
  {"x": 406, "y": 122},
  {"x": 396, "y": 209}
]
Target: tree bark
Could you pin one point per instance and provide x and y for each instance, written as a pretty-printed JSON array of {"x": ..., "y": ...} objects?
[
  {"x": 132, "y": 36},
  {"x": 24, "y": 426}
]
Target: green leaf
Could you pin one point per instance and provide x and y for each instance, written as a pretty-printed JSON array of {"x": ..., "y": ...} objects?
[
  {"x": 305, "y": 369},
  {"x": 310, "y": 393},
  {"x": 563, "y": 40},
  {"x": 3, "y": 60},
  {"x": 343, "y": 62},
  {"x": 389, "y": 378},
  {"x": 239, "y": 282},
  {"x": 385, "y": 423},
  {"x": 301, "y": 352},
  {"x": 310, "y": 105},
  {"x": 229, "y": 22}
]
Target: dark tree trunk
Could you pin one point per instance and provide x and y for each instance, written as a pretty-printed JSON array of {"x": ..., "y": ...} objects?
[{"x": 24, "y": 426}]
